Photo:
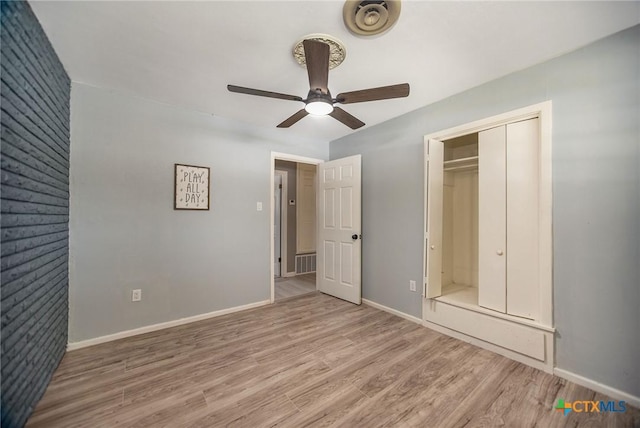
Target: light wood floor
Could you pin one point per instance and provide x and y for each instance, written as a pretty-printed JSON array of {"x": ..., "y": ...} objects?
[
  {"x": 306, "y": 361},
  {"x": 295, "y": 285}
]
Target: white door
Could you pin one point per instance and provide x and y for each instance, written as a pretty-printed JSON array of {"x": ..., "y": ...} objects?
[
  {"x": 492, "y": 218},
  {"x": 435, "y": 183},
  {"x": 523, "y": 289},
  {"x": 339, "y": 229},
  {"x": 277, "y": 223}
]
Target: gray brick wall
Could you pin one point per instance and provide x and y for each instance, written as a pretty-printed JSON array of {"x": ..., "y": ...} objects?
[{"x": 34, "y": 202}]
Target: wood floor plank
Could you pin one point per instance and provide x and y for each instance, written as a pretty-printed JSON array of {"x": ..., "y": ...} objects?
[{"x": 309, "y": 360}]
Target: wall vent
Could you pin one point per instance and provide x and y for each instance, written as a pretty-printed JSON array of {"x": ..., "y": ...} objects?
[
  {"x": 370, "y": 17},
  {"x": 305, "y": 263}
]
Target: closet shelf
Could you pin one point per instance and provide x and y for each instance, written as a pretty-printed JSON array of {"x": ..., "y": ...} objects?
[{"x": 469, "y": 162}]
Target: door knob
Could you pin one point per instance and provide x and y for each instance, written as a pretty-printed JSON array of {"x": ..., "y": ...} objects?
[
  {"x": 499, "y": 252},
  {"x": 433, "y": 247},
  {"x": 354, "y": 236}
]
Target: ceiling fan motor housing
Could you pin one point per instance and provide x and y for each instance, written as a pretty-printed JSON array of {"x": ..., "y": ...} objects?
[
  {"x": 318, "y": 103},
  {"x": 370, "y": 17}
]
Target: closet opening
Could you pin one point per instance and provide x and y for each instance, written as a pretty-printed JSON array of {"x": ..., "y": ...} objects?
[
  {"x": 460, "y": 219},
  {"x": 488, "y": 216}
]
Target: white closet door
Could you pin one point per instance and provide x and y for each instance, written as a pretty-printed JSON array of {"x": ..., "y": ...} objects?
[
  {"x": 522, "y": 219},
  {"x": 492, "y": 207},
  {"x": 435, "y": 177}
]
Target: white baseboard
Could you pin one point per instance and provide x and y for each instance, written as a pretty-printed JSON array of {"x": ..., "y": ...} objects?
[
  {"x": 392, "y": 311},
  {"x": 155, "y": 327},
  {"x": 598, "y": 387}
]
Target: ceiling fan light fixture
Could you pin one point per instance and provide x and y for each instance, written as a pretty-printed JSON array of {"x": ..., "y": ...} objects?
[{"x": 319, "y": 107}]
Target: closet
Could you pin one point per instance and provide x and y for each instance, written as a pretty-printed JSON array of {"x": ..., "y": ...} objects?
[{"x": 483, "y": 239}]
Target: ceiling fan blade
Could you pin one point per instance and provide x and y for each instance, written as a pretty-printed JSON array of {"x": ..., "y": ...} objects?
[
  {"x": 346, "y": 118},
  {"x": 374, "y": 94},
  {"x": 317, "y": 57},
  {"x": 258, "y": 92},
  {"x": 293, "y": 119}
]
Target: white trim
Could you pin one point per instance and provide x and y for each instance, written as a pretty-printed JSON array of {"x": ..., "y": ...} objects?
[
  {"x": 545, "y": 212},
  {"x": 597, "y": 386},
  {"x": 295, "y": 158},
  {"x": 523, "y": 113},
  {"x": 161, "y": 326},
  {"x": 392, "y": 311},
  {"x": 272, "y": 168}
]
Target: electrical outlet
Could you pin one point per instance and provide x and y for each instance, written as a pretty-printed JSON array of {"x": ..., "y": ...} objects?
[
  {"x": 136, "y": 295},
  {"x": 259, "y": 206},
  {"x": 412, "y": 285}
]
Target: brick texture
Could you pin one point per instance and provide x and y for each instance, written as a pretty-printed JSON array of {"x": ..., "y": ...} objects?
[{"x": 34, "y": 202}]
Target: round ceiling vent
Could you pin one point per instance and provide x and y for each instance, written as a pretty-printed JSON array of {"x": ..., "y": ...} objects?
[
  {"x": 370, "y": 17},
  {"x": 337, "y": 51}
]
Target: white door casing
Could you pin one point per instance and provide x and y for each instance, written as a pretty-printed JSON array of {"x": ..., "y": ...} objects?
[{"x": 339, "y": 221}]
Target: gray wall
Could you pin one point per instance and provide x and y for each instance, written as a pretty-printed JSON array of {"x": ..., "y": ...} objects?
[
  {"x": 125, "y": 233},
  {"x": 35, "y": 210},
  {"x": 291, "y": 168},
  {"x": 596, "y": 196}
]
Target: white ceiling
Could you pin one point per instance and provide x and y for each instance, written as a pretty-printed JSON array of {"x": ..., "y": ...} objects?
[{"x": 185, "y": 53}]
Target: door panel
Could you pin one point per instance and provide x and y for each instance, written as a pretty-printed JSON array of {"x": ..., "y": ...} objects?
[
  {"x": 435, "y": 177},
  {"x": 346, "y": 261},
  {"x": 329, "y": 218},
  {"x": 346, "y": 211},
  {"x": 339, "y": 258},
  {"x": 522, "y": 219},
  {"x": 329, "y": 259},
  {"x": 492, "y": 239}
]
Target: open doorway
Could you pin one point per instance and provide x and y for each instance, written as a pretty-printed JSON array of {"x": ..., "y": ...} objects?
[
  {"x": 294, "y": 205},
  {"x": 293, "y": 210}
]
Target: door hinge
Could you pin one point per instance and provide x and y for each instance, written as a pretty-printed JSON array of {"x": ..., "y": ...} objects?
[
  {"x": 279, "y": 186},
  {"x": 279, "y": 259}
]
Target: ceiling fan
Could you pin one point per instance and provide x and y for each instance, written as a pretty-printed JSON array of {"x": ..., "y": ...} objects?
[{"x": 319, "y": 100}]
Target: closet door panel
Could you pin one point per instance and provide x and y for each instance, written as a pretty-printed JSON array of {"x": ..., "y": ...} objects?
[
  {"x": 522, "y": 219},
  {"x": 492, "y": 240},
  {"x": 435, "y": 176}
]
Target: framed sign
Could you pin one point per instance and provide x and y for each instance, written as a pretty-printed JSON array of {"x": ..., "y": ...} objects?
[{"x": 191, "y": 187}]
